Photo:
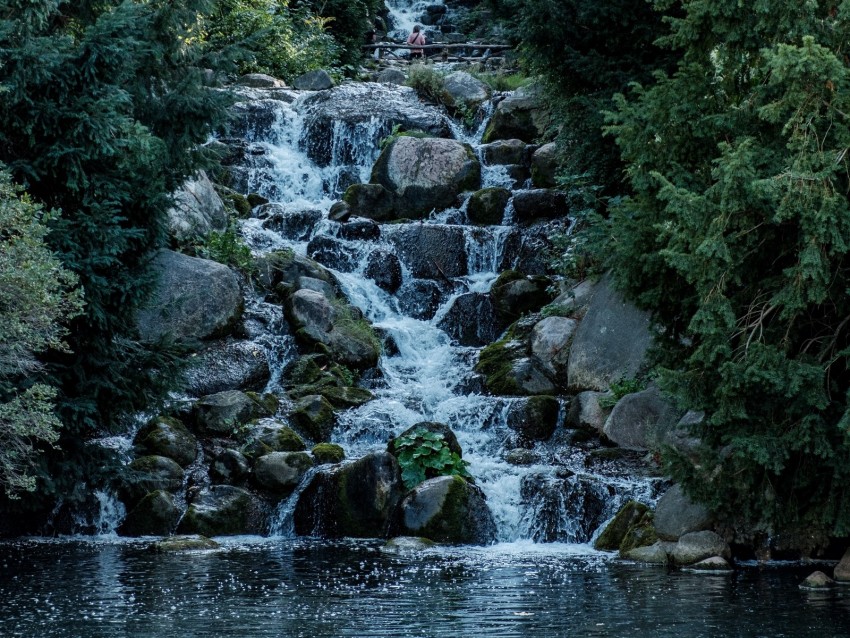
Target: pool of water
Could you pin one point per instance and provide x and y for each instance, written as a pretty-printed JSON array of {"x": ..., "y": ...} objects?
[{"x": 275, "y": 587}]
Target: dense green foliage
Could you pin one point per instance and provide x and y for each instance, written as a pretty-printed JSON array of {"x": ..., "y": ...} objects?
[
  {"x": 35, "y": 297},
  {"x": 423, "y": 454},
  {"x": 348, "y": 22},
  {"x": 104, "y": 109},
  {"x": 736, "y": 238}
]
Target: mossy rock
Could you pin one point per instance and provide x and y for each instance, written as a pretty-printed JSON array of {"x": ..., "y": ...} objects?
[
  {"x": 255, "y": 199},
  {"x": 314, "y": 416},
  {"x": 184, "y": 543},
  {"x": 222, "y": 510},
  {"x": 264, "y": 438},
  {"x": 269, "y": 403},
  {"x": 495, "y": 362},
  {"x": 487, "y": 206},
  {"x": 167, "y": 436},
  {"x": 641, "y": 534},
  {"x": 342, "y": 398},
  {"x": 155, "y": 515},
  {"x": 612, "y": 536},
  {"x": 407, "y": 545},
  {"x": 280, "y": 472},
  {"x": 535, "y": 418},
  {"x": 328, "y": 453},
  {"x": 148, "y": 474}
]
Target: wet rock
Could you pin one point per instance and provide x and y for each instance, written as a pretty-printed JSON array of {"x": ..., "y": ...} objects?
[
  {"x": 696, "y": 546},
  {"x": 431, "y": 426},
  {"x": 332, "y": 253},
  {"x": 222, "y": 510},
  {"x": 426, "y": 174},
  {"x": 842, "y": 570},
  {"x": 296, "y": 224},
  {"x": 515, "y": 294},
  {"x": 462, "y": 90},
  {"x": 149, "y": 474},
  {"x": 224, "y": 412},
  {"x": 529, "y": 377},
  {"x": 384, "y": 268},
  {"x": 612, "y": 536},
  {"x": 260, "y": 81},
  {"x": 371, "y": 201},
  {"x": 318, "y": 80},
  {"x": 550, "y": 343},
  {"x": 487, "y": 206},
  {"x": 447, "y": 509},
  {"x": 676, "y": 514},
  {"x": 269, "y": 436},
  {"x": 285, "y": 267},
  {"x": 582, "y": 498},
  {"x": 534, "y": 418},
  {"x": 522, "y": 457},
  {"x": 407, "y": 545},
  {"x": 431, "y": 251},
  {"x": 544, "y": 166},
  {"x": 471, "y": 320},
  {"x": 314, "y": 416},
  {"x": 392, "y": 76},
  {"x": 681, "y": 437},
  {"x": 586, "y": 413},
  {"x": 360, "y": 229},
  {"x": 420, "y": 299},
  {"x": 230, "y": 467},
  {"x": 340, "y": 211},
  {"x": 197, "y": 211},
  {"x": 355, "y": 108},
  {"x": 539, "y": 203},
  {"x": 155, "y": 515},
  {"x": 610, "y": 343},
  {"x": 228, "y": 365},
  {"x": 574, "y": 300},
  {"x": 505, "y": 152},
  {"x": 653, "y": 554},
  {"x": 194, "y": 299},
  {"x": 640, "y": 421},
  {"x": 168, "y": 437},
  {"x": 281, "y": 472},
  {"x": 817, "y": 580},
  {"x": 354, "y": 499},
  {"x": 341, "y": 397},
  {"x": 518, "y": 116},
  {"x": 175, "y": 544},
  {"x": 713, "y": 565},
  {"x": 328, "y": 453}
]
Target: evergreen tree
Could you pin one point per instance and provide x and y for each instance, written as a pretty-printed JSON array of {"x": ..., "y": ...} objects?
[{"x": 736, "y": 239}]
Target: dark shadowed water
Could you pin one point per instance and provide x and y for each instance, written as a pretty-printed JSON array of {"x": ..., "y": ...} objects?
[{"x": 273, "y": 587}]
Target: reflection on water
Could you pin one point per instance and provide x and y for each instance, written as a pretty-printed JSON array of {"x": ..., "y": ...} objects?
[{"x": 268, "y": 587}]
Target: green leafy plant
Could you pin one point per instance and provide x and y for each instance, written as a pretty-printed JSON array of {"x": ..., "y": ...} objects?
[
  {"x": 423, "y": 454},
  {"x": 229, "y": 248},
  {"x": 397, "y": 133},
  {"x": 619, "y": 389}
]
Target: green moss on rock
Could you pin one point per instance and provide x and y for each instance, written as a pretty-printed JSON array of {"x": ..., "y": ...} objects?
[
  {"x": 328, "y": 453},
  {"x": 612, "y": 536},
  {"x": 314, "y": 415}
]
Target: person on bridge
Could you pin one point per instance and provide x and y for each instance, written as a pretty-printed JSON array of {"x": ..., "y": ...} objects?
[{"x": 416, "y": 37}]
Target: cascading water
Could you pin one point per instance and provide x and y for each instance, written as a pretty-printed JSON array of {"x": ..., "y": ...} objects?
[
  {"x": 406, "y": 13},
  {"x": 427, "y": 377}
]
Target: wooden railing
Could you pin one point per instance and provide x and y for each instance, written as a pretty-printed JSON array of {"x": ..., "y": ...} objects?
[{"x": 442, "y": 48}]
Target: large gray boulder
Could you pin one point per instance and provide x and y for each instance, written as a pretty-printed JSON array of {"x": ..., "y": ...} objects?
[
  {"x": 487, "y": 206},
  {"x": 149, "y": 474},
  {"x": 511, "y": 152},
  {"x": 284, "y": 267},
  {"x": 431, "y": 251},
  {"x": 530, "y": 378},
  {"x": 268, "y": 436},
  {"x": 370, "y": 201},
  {"x": 471, "y": 320},
  {"x": 197, "y": 211},
  {"x": 515, "y": 294},
  {"x": 539, "y": 203},
  {"x": 462, "y": 90},
  {"x": 354, "y": 499},
  {"x": 318, "y": 80},
  {"x": 641, "y": 420},
  {"x": 550, "y": 343},
  {"x": 194, "y": 299},
  {"x": 586, "y": 413},
  {"x": 426, "y": 174},
  {"x": 654, "y": 554},
  {"x": 448, "y": 509},
  {"x": 228, "y": 365},
  {"x": 281, "y": 472},
  {"x": 224, "y": 412},
  {"x": 544, "y": 166},
  {"x": 696, "y": 546},
  {"x": 676, "y": 514},
  {"x": 519, "y": 116},
  {"x": 168, "y": 437},
  {"x": 260, "y": 81},
  {"x": 610, "y": 343},
  {"x": 222, "y": 510},
  {"x": 155, "y": 515}
]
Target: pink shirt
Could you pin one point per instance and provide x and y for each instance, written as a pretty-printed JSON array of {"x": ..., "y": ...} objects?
[{"x": 416, "y": 38}]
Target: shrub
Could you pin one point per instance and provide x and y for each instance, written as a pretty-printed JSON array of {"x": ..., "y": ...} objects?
[{"x": 423, "y": 454}]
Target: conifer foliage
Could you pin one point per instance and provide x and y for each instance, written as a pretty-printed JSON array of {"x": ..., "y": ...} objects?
[{"x": 737, "y": 239}]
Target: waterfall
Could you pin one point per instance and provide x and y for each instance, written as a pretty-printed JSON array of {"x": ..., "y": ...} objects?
[{"x": 405, "y": 14}]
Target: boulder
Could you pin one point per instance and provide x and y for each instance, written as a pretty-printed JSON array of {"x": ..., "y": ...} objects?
[
  {"x": 340, "y": 211},
  {"x": 224, "y": 412},
  {"x": 363, "y": 109},
  {"x": 641, "y": 420},
  {"x": 197, "y": 211},
  {"x": 392, "y": 76},
  {"x": 522, "y": 457},
  {"x": 842, "y": 570},
  {"x": 168, "y": 437},
  {"x": 419, "y": 299},
  {"x": 462, "y": 90},
  {"x": 426, "y": 174},
  {"x": 194, "y": 299},
  {"x": 230, "y": 467},
  {"x": 327, "y": 453},
  {"x": 529, "y": 377},
  {"x": 228, "y": 365},
  {"x": 550, "y": 343},
  {"x": 360, "y": 229},
  {"x": 513, "y": 152},
  {"x": 407, "y": 545},
  {"x": 534, "y": 418},
  {"x": 431, "y": 251},
  {"x": 610, "y": 343},
  {"x": 174, "y": 544},
  {"x": 281, "y": 472},
  {"x": 285, "y": 267},
  {"x": 296, "y": 224},
  {"x": 586, "y": 413},
  {"x": 269, "y": 436},
  {"x": 318, "y": 80},
  {"x": 713, "y": 565},
  {"x": 539, "y": 203},
  {"x": 817, "y": 581},
  {"x": 518, "y": 116},
  {"x": 384, "y": 268},
  {"x": 370, "y": 201},
  {"x": 696, "y": 546},
  {"x": 260, "y": 81},
  {"x": 314, "y": 416},
  {"x": 155, "y": 515},
  {"x": 222, "y": 510},
  {"x": 471, "y": 320},
  {"x": 353, "y": 499},
  {"x": 653, "y": 554},
  {"x": 676, "y": 515},
  {"x": 615, "y": 531},
  {"x": 332, "y": 253},
  {"x": 574, "y": 300},
  {"x": 544, "y": 166},
  {"x": 515, "y": 294},
  {"x": 487, "y": 206},
  {"x": 149, "y": 474},
  {"x": 448, "y": 509}
]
